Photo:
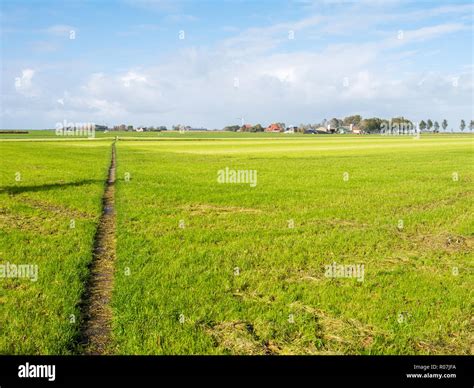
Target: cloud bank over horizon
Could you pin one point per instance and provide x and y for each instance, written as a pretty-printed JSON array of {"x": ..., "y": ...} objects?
[{"x": 208, "y": 64}]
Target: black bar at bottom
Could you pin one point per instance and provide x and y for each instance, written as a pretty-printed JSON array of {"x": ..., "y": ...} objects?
[{"x": 416, "y": 370}]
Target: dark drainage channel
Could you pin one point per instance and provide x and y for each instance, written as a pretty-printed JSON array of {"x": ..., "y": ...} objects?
[{"x": 96, "y": 313}]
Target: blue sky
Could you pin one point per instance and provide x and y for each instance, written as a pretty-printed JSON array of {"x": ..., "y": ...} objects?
[{"x": 294, "y": 61}]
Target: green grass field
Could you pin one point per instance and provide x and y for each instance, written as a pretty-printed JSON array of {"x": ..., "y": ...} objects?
[
  {"x": 223, "y": 268},
  {"x": 57, "y": 183}
]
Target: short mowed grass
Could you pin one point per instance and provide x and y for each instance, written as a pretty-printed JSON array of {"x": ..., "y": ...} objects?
[
  {"x": 50, "y": 203},
  {"x": 209, "y": 268}
]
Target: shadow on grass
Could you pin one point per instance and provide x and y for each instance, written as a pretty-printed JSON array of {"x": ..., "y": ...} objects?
[{"x": 13, "y": 190}]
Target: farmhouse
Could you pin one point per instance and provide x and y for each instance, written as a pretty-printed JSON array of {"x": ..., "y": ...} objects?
[
  {"x": 344, "y": 129},
  {"x": 350, "y": 129},
  {"x": 273, "y": 128},
  {"x": 322, "y": 130}
]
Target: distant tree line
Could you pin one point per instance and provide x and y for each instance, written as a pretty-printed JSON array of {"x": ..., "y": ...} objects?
[
  {"x": 245, "y": 128},
  {"x": 367, "y": 125},
  {"x": 123, "y": 127}
]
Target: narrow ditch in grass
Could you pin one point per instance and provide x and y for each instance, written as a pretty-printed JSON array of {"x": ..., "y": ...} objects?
[{"x": 96, "y": 313}]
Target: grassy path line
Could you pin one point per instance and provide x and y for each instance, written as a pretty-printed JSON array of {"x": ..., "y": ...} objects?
[{"x": 96, "y": 310}]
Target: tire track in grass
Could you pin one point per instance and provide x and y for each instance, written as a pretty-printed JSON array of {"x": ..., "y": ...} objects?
[{"x": 96, "y": 312}]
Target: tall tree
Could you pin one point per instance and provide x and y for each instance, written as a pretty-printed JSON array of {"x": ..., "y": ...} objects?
[
  {"x": 471, "y": 125},
  {"x": 462, "y": 125},
  {"x": 422, "y": 125},
  {"x": 436, "y": 126},
  {"x": 444, "y": 124},
  {"x": 400, "y": 120},
  {"x": 334, "y": 122},
  {"x": 429, "y": 124},
  {"x": 257, "y": 128},
  {"x": 355, "y": 120},
  {"x": 401, "y": 124},
  {"x": 372, "y": 125}
]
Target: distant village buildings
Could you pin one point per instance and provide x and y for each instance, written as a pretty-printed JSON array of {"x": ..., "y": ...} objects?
[
  {"x": 355, "y": 125},
  {"x": 274, "y": 128}
]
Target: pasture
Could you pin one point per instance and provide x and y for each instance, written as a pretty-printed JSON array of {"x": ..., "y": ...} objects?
[
  {"x": 50, "y": 201},
  {"x": 209, "y": 267}
]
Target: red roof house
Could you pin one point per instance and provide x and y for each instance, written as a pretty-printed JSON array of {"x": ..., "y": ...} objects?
[{"x": 273, "y": 128}]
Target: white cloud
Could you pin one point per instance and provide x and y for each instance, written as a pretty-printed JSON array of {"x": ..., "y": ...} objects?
[
  {"x": 132, "y": 77},
  {"x": 23, "y": 83},
  {"x": 60, "y": 30},
  {"x": 258, "y": 40},
  {"x": 431, "y": 32}
]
